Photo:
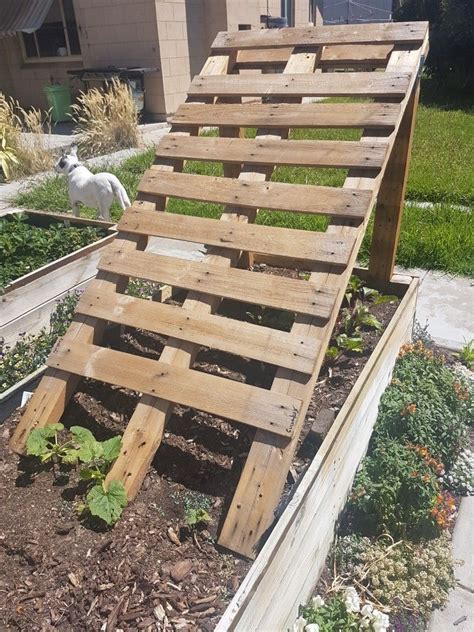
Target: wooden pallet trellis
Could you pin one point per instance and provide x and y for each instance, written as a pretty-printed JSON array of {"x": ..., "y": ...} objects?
[{"x": 377, "y": 167}]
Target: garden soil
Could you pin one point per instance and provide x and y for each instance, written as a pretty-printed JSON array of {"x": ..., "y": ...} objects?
[{"x": 151, "y": 571}]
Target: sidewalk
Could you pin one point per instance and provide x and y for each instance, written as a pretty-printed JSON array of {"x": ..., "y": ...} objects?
[{"x": 459, "y": 613}]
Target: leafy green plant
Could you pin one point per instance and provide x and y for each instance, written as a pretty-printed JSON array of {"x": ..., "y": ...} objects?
[
  {"x": 44, "y": 444},
  {"x": 353, "y": 343},
  {"x": 357, "y": 317},
  {"x": 31, "y": 350},
  {"x": 395, "y": 491},
  {"x": 404, "y": 576},
  {"x": 356, "y": 289},
  {"x": 333, "y": 354},
  {"x": 195, "y": 516},
  {"x": 426, "y": 404},
  {"x": 466, "y": 354},
  {"x": 24, "y": 247},
  {"x": 103, "y": 501}
]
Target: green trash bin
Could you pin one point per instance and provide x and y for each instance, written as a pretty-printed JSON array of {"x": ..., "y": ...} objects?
[{"x": 59, "y": 100}]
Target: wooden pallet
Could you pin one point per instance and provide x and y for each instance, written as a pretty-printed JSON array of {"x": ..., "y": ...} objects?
[{"x": 382, "y": 63}]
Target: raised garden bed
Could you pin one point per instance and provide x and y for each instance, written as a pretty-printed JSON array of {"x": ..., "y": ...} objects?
[
  {"x": 28, "y": 300},
  {"x": 152, "y": 564}
]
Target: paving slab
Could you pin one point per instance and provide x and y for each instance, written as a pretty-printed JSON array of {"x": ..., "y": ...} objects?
[
  {"x": 446, "y": 304},
  {"x": 459, "y": 612}
]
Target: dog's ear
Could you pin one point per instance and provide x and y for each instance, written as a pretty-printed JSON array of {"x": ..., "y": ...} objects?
[{"x": 73, "y": 150}]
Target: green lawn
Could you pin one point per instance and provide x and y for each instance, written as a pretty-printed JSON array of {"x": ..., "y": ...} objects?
[{"x": 441, "y": 172}]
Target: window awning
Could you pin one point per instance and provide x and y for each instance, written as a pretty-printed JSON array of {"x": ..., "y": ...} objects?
[{"x": 22, "y": 15}]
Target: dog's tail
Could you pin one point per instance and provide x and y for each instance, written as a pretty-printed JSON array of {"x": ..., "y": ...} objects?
[{"x": 120, "y": 193}]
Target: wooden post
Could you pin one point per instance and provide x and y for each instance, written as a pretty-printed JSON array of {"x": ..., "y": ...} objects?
[{"x": 389, "y": 210}]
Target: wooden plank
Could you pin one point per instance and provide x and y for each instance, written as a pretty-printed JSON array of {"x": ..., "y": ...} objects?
[
  {"x": 348, "y": 84},
  {"x": 391, "y": 197},
  {"x": 241, "y": 338},
  {"x": 215, "y": 395},
  {"x": 300, "y": 245},
  {"x": 295, "y": 295},
  {"x": 145, "y": 429},
  {"x": 290, "y": 115},
  {"x": 390, "y": 33},
  {"x": 274, "y": 196},
  {"x": 297, "y": 153},
  {"x": 287, "y": 569},
  {"x": 263, "y": 476},
  {"x": 55, "y": 389},
  {"x": 337, "y": 55}
]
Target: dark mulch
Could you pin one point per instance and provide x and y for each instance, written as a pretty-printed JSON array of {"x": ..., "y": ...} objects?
[{"x": 58, "y": 573}]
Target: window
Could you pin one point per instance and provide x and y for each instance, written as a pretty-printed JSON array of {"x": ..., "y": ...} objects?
[{"x": 58, "y": 36}]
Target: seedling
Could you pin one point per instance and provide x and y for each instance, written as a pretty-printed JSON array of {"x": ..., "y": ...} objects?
[
  {"x": 333, "y": 354},
  {"x": 350, "y": 343},
  {"x": 195, "y": 516},
  {"x": 357, "y": 317},
  {"x": 44, "y": 443},
  {"x": 357, "y": 290}
]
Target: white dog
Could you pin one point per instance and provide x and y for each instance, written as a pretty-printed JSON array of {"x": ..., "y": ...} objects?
[{"x": 97, "y": 191}]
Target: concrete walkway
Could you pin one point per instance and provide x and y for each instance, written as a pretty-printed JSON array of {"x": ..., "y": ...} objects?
[{"x": 459, "y": 613}]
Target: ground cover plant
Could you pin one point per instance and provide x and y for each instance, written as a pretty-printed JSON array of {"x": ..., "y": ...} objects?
[
  {"x": 25, "y": 247},
  {"x": 31, "y": 350},
  {"x": 393, "y": 552}
]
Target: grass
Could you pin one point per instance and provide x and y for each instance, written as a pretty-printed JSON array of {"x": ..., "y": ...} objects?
[{"x": 439, "y": 238}]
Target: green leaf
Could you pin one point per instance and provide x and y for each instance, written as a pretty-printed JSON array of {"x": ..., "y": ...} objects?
[
  {"x": 195, "y": 516},
  {"x": 38, "y": 440},
  {"x": 91, "y": 474},
  {"x": 107, "y": 504},
  {"x": 70, "y": 456},
  {"x": 89, "y": 447},
  {"x": 385, "y": 298},
  {"x": 111, "y": 448}
]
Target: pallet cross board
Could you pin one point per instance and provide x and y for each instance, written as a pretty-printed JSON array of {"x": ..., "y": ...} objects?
[{"x": 388, "y": 57}]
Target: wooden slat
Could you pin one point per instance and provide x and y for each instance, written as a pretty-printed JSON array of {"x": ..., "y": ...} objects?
[
  {"x": 347, "y": 84},
  {"x": 263, "y": 478},
  {"x": 216, "y": 395},
  {"x": 301, "y": 153},
  {"x": 241, "y": 285},
  {"x": 292, "y": 115},
  {"x": 338, "y": 55},
  {"x": 275, "y": 196},
  {"x": 300, "y": 245},
  {"x": 391, "y": 33},
  {"x": 245, "y": 339}
]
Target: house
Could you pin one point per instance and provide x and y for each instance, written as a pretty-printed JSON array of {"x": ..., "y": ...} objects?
[{"x": 41, "y": 40}]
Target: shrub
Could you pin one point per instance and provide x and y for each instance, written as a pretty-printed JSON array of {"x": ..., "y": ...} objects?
[
  {"x": 406, "y": 577},
  {"x": 451, "y": 35},
  {"x": 106, "y": 119},
  {"x": 395, "y": 491},
  {"x": 30, "y": 351},
  {"x": 26, "y": 133},
  {"x": 426, "y": 403}
]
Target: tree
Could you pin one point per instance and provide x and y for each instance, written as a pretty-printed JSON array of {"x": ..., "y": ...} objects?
[{"x": 451, "y": 35}]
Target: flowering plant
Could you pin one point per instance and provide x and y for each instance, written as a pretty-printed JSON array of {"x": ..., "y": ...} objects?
[
  {"x": 460, "y": 478},
  {"x": 404, "y": 576},
  {"x": 343, "y": 611}
]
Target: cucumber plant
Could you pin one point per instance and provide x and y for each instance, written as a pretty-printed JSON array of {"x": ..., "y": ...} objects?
[{"x": 106, "y": 502}]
